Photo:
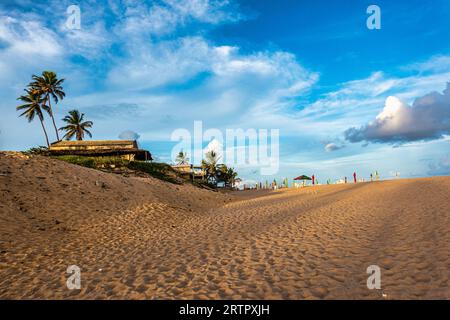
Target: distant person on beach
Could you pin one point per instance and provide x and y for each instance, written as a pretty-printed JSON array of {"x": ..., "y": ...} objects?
[
  {"x": 354, "y": 177},
  {"x": 371, "y": 177},
  {"x": 377, "y": 175},
  {"x": 313, "y": 179},
  {"x": 345, "y": 179}
]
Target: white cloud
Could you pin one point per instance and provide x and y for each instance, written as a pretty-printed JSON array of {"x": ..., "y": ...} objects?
[
  {"x": 91, "y": 41},
  {"x": 205, "y": 10},
  {"x": 165, "y": 17},
  {"x": 439, "y": 63},
  {"x": 25, "y": 46},
  {"x": 428, "y": 118},
  {"x": 329, "y": 147},
  {"x": 28, "y": 39},
  {"x": 155, "y": 64},
  {"x": 356, "y": 102},
  {"x": 176, "y": 61}
]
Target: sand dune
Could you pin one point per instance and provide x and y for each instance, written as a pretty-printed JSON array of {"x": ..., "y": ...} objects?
[{"x": 137, "y": 238}]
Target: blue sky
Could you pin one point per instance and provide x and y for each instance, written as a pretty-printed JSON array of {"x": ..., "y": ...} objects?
[{"x": 345, "y": 98}]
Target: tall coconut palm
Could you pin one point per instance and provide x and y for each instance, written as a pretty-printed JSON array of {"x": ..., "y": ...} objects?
[
  {"x": 49, "y": 86},
  {"x": 182, "y": 158},
  {"x": 75, "y": 126},
  {"x": 33, "y": 105}
]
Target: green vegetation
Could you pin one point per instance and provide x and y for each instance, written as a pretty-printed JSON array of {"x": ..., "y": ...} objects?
[
  {"x": 217, "y": 173},
  {"x": 94, "y": 162},
  {"x": 160, "y": 171},
  {"x": 37, "y": 151}
]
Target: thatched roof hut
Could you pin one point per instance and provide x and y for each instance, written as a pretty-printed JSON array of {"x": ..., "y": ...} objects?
[
  {"x": 127, "y": 149},
  {"x": 190, "y": 171}
]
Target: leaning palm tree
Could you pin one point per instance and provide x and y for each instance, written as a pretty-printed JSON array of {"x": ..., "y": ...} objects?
[
  {"x": 182, "y": 158},
  {"x": 75, "y": 126},
  {"x": 49, "y": 86},
  {"x": 33, "y": 106}
]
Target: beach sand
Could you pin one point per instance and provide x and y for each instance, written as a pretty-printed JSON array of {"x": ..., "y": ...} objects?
[{"x": 138, "y": 238}]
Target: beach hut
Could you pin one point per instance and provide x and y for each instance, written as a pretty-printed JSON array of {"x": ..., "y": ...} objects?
[
  {"x": 127, "y": 149},
  {"x": 189, "y": 171}
]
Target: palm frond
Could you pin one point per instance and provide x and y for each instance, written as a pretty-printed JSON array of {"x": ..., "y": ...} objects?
[{"x": 75, "y": 126}]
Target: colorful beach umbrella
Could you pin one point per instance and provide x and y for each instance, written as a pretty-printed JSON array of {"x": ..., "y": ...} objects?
[{"x": 302, "y": 177}]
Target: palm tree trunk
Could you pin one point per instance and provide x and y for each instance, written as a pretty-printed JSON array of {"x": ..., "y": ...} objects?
[
  {"x": 51, "y": 115},
  {"x": 45, "y": 132}
]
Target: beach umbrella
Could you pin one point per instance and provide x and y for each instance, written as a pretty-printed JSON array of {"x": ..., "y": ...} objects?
[{"x": 302, "y": 177}]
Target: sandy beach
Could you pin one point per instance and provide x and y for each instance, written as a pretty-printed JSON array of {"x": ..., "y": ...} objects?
[{"x": 142, "y": 238}]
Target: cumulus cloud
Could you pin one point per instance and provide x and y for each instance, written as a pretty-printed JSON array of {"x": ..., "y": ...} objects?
[
  {"x": 129, "y": 135},
  {"x": 355, "y": 102},
  {"x": 428, "y": 118}
]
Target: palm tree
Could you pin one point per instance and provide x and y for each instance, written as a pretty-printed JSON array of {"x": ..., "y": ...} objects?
[
  {"x": 210, "y": 165},
  {"x": 49, "y": 85},
  {"x": 231, "y": 176},
  {"x": 226, "y": 175},
  {"x": 182, "y": 158},
  {"x": 34, "y": 103},
  {"x": 75, "y": 125}
]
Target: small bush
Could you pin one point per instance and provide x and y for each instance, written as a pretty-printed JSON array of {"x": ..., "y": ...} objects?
[
  {"x": 94, "y": 162},
  {"x": 111, "y": 161},
  {"x": 40, "y": 151},
  {"x": 161, "y": 171},
  {"x": 88, "y": 162}
]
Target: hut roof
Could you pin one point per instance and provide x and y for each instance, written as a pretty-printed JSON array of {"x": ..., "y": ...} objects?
[
  {"x": 68, "y": 143},
  {"x": 302, "y": 177}
]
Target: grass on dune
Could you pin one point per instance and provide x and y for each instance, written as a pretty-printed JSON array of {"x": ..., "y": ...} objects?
[{"x": 157, "y": 170}]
